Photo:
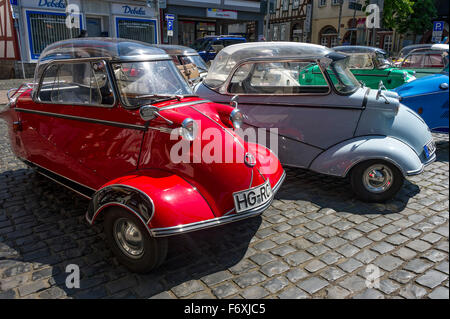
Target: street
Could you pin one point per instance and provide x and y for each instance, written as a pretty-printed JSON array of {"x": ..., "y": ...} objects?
[{"x": 316, "y": 241}]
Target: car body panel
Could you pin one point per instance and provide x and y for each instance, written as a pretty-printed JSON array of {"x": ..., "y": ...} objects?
[
  {"x": 339, "y": 159},
  {"x": 320, "y": 131},
  {"x": 424, "y": 61},
  {"x": 115, "y": 156},
  {"x": 374, "y": 71},
  {"x": 429, "y": 97}
]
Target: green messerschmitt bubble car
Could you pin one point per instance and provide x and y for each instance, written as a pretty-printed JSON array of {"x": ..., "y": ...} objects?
[{"x": 370, "y": 65}]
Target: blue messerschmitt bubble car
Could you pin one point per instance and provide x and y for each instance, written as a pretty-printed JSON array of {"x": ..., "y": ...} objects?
[{"x": 428, "y": 96}]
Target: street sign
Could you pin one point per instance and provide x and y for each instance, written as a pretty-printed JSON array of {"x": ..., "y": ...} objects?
[
  {"x": 438, "y": 26},
  {"x": 352, "y": 5},
  {"x": 170, "y": 18}
]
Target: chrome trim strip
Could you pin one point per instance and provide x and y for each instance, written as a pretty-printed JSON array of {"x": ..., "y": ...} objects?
[
  {"x": 420, "y": 170},
  {"x": 62, "y": 184},
  {"x": 42, "y": 167},
  {"x": 125, "y": 207},
  {"x": 174, "y": 106},
  {"x": 84, "y": 119},
  {"x": 162, "y": 129},
  {"x": 182, "y": 229},
  {"x": 125, "y": 186},
  {"x": 423, "y": 94}
]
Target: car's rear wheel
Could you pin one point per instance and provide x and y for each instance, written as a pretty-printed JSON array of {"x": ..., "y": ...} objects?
[
  {"x": 131, "y": 243},
  {"x": 376, "y": 180}
]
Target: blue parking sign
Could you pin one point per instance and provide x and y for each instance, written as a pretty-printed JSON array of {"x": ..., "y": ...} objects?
[
  {"x": 438, "y": 26},
  {"x": 169, "y": 25}
]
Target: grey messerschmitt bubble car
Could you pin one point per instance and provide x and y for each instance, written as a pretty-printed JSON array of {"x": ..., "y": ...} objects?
[{"x": 327, "y": 122}]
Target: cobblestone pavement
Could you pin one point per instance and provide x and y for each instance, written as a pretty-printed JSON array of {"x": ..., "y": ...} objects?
[{"x": 316, "y": 241}]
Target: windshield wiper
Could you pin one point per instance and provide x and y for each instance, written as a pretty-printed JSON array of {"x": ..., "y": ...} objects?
[{"x": 162, "y": 98}]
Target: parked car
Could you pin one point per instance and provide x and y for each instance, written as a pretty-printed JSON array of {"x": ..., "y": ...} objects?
[
  {"x": 425, "y": 61},
  {"x": 109, "y": 135},
  {"x": 188, "y": 61},
  {"x": 405, "y": 50},
  {"x": 428, "y": 96},
  {"x": 370, "y": 65},
  {"x": 335, "y": 127},
  {"x": 209, "y": 46}
]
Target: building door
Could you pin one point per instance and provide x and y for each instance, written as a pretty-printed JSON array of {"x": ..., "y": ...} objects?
[{"x": 94, "y": 27}]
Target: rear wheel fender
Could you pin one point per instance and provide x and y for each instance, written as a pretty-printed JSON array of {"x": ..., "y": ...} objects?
[
  {"x": 158, "y": 198},
  {"x": 339, "y": 159}
]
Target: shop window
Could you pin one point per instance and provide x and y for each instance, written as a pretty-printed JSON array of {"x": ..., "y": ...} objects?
[
  {"x": 387, "y": 43},
  {"x": 45, "y": 28},
  {"x": 77, "y": 83},
  {"x": 137, "y": 29}
]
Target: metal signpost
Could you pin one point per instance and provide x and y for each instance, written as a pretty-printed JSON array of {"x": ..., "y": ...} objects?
[
  {"x": 438, "y": 28},
  {"x": 170, "y": 19},
  {"x": 15, "y": 10}
]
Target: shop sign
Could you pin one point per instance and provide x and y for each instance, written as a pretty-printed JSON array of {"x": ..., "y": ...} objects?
[
  {"x": 307, "y": 23},
  {"x": 48, "y": 4},
  {"x": 221, "y": 14},
  {"x": 132, "y": 10}
]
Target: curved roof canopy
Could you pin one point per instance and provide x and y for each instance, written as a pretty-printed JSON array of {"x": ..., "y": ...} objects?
[
  {"x": 358, "y": 49},
  {"x": 109, "y": 48},
  {"x": 176, "y": 49},
  {"x": 231, "y": 55}
]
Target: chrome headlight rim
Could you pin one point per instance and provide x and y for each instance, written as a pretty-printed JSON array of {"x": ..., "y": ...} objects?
[
  {"x": 236, "y": 118},
  {"x": 189, "y": 129}
]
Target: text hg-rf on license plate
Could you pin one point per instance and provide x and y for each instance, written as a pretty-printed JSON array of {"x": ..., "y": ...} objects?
[{"x": 253, "y": 197}]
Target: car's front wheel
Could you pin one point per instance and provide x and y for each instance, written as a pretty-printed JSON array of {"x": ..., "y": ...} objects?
[
  {"x": 131, "y": 243},
  {"x": 376, "y": 180}
]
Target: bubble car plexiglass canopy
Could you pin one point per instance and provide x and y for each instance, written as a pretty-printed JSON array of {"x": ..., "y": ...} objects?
[{"x": 233, "y": 54}]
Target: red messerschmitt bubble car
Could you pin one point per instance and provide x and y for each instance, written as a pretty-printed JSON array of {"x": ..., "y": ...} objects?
[{"x": 115, "y": 121}]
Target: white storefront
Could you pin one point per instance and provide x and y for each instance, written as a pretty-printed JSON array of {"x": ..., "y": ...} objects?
[{"x": 43, "y": 22}]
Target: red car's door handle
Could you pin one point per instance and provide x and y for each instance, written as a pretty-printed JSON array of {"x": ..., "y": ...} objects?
[{"x": 17, "y": 126}]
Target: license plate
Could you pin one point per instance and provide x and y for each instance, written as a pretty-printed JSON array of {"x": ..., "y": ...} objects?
[
  {"x": 429, "y": 149},
  {"x": 252, "y": 197}
]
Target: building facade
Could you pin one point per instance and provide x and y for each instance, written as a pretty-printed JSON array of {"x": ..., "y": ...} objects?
[
  {"x": 39, "y": 23},
  {"x": 195, "y": 19},
  {"x": 9, "y": 50},
  {"x": 42, "y": 22},
  {"x": 325, "y": 23},
  {"x": 291, "y": 21}
]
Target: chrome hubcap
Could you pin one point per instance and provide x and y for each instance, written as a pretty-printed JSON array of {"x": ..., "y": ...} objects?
[
  {"x": 378, "y": 178},
  {"x": 129, "y": 238}
]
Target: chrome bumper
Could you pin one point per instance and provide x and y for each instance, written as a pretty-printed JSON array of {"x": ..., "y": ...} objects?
[
  {"x": 181, "y": 229},
  {"x": 425, "y": 164}
]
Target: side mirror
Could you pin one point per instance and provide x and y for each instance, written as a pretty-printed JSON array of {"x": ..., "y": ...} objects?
[
  {"x": 234, "y": 101},
  {"x": 379, "y": 94},
  {"x": 150, "y": 112}
]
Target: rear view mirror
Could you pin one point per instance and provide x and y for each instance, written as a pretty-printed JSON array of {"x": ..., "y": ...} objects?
[{"x": 148, "y": 112}]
